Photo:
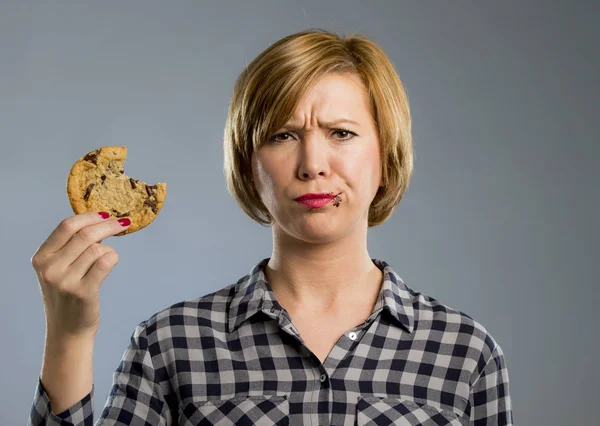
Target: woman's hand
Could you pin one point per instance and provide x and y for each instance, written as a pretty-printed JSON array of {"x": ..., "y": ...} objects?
[{"x": 71, "y": 265}]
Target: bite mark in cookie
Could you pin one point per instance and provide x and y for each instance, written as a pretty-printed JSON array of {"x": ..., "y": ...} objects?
[{"x": 97, "y": 181}]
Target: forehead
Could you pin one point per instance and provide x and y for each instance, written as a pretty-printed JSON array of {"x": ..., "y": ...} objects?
[{"x": 333, "y": 97}]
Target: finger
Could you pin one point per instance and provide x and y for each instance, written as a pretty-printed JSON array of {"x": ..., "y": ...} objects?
[
  {"x": 99, "y": 271},
  {"x": 88, "y": 236},
  {"x": 65, "y": 230},
  {"x": 81, "y": 266}
]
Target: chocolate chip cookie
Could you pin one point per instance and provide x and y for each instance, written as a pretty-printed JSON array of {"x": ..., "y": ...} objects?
[{"x": 97, "y": 181}]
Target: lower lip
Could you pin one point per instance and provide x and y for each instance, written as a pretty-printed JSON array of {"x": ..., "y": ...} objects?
[{"x": 316, "y": 203}]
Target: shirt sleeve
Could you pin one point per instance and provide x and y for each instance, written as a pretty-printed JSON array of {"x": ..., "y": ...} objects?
[
  {"x": 41, "y": 412},
  {"x": 134, "y": 399},
  {"x": 490, "y": 399}
]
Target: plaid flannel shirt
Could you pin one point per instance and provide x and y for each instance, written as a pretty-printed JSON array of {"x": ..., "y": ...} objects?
[{"x": 234, "y": 357}]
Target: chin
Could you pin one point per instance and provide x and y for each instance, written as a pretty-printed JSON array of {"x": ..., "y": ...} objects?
[
  {"x": 317, "y": 231},
  {"x": 318, "y": 239},
  {"x": 314, "y": 228}
]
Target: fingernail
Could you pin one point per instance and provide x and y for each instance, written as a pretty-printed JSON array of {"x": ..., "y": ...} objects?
[
  {"x": 124, "y": 222},
  {"x": 104, "y": 215}
]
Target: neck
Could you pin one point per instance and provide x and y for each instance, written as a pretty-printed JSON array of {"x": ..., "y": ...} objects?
[{"x": 322, "y": 276}]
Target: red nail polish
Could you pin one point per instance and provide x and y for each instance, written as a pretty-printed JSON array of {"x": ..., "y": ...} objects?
[
  {"x": 104, "y": 215},
  {"x": 124, "y": 222}
]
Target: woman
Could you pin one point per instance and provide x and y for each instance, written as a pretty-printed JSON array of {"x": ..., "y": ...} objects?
[{"x": 318, "y": 145}]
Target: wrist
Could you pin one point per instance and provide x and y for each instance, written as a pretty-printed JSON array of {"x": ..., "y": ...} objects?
[{"x": 69, "y": 340}]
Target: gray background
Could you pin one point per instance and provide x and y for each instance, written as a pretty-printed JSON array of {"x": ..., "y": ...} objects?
[{"x": 500, "y": 220}]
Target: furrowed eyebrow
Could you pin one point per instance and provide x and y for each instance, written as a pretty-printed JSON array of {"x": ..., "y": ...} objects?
[
  {"x": 328, "y": 123},
  {"x": 340, "y": 121}
]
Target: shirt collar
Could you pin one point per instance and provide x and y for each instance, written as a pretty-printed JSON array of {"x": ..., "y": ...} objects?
[{"x": 252, "y": 294}]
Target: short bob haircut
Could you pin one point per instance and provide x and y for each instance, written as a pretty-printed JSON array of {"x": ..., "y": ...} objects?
[{"x": 267, "y": 92}]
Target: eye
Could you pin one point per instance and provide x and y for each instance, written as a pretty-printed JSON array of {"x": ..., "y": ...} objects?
[
  {"x": 280, "y": 137},
  {"x": 345, "y": 134}
]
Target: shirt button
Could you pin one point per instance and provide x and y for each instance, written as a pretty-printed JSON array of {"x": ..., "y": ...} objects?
[
  {"x": 323, "y": 377},
  {"x": 352, "y": 336}
]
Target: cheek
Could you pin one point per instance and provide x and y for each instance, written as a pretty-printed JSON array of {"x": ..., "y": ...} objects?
[
  {"x": 276, "y": 167},
  {"x": 267, "y": 175},
  {"x": 361, "y": 171},
  {"x": 355, "y": 169},
  {"x": 260, "y": 169}
]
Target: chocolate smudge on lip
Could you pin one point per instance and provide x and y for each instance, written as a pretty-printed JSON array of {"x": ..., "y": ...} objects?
[{"x": 337, "y": 200}]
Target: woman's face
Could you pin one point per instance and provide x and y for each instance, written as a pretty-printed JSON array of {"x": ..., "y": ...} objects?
[{"x": 330, "y": 146}]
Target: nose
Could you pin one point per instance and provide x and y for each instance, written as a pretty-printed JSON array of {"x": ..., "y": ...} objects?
[{"x": 313, "y": 157}]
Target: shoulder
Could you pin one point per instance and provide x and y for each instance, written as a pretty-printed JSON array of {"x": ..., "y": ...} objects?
[
  {"x": 202, "y": 318},
  {"x": 208, "y": 312},
  {"x": 439, "y": 316},
  {"x": 444, "y": 328},
  {"x": 459, "y": 333}
]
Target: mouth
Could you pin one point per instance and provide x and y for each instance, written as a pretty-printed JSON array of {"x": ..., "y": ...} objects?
[
  {"x": 329, "y": 196},
  {"x": 317, "y": 201}
]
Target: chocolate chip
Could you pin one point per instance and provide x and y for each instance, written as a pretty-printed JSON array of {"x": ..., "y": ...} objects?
[
  {"x": 152, "y": 205},
  {"x": 132, "y": 182},
  {"x": 118, "y": 214},
  {"x": 88, "y": 192},
  {"x": 150, "y": 189},
  {"x": 92, "y": 157},
  {"x": 103, "y": 177},
  {"x": 121, "y": 171}
]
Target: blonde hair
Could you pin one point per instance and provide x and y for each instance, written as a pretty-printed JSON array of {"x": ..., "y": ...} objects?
[{"x": 267, "y": 92}]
